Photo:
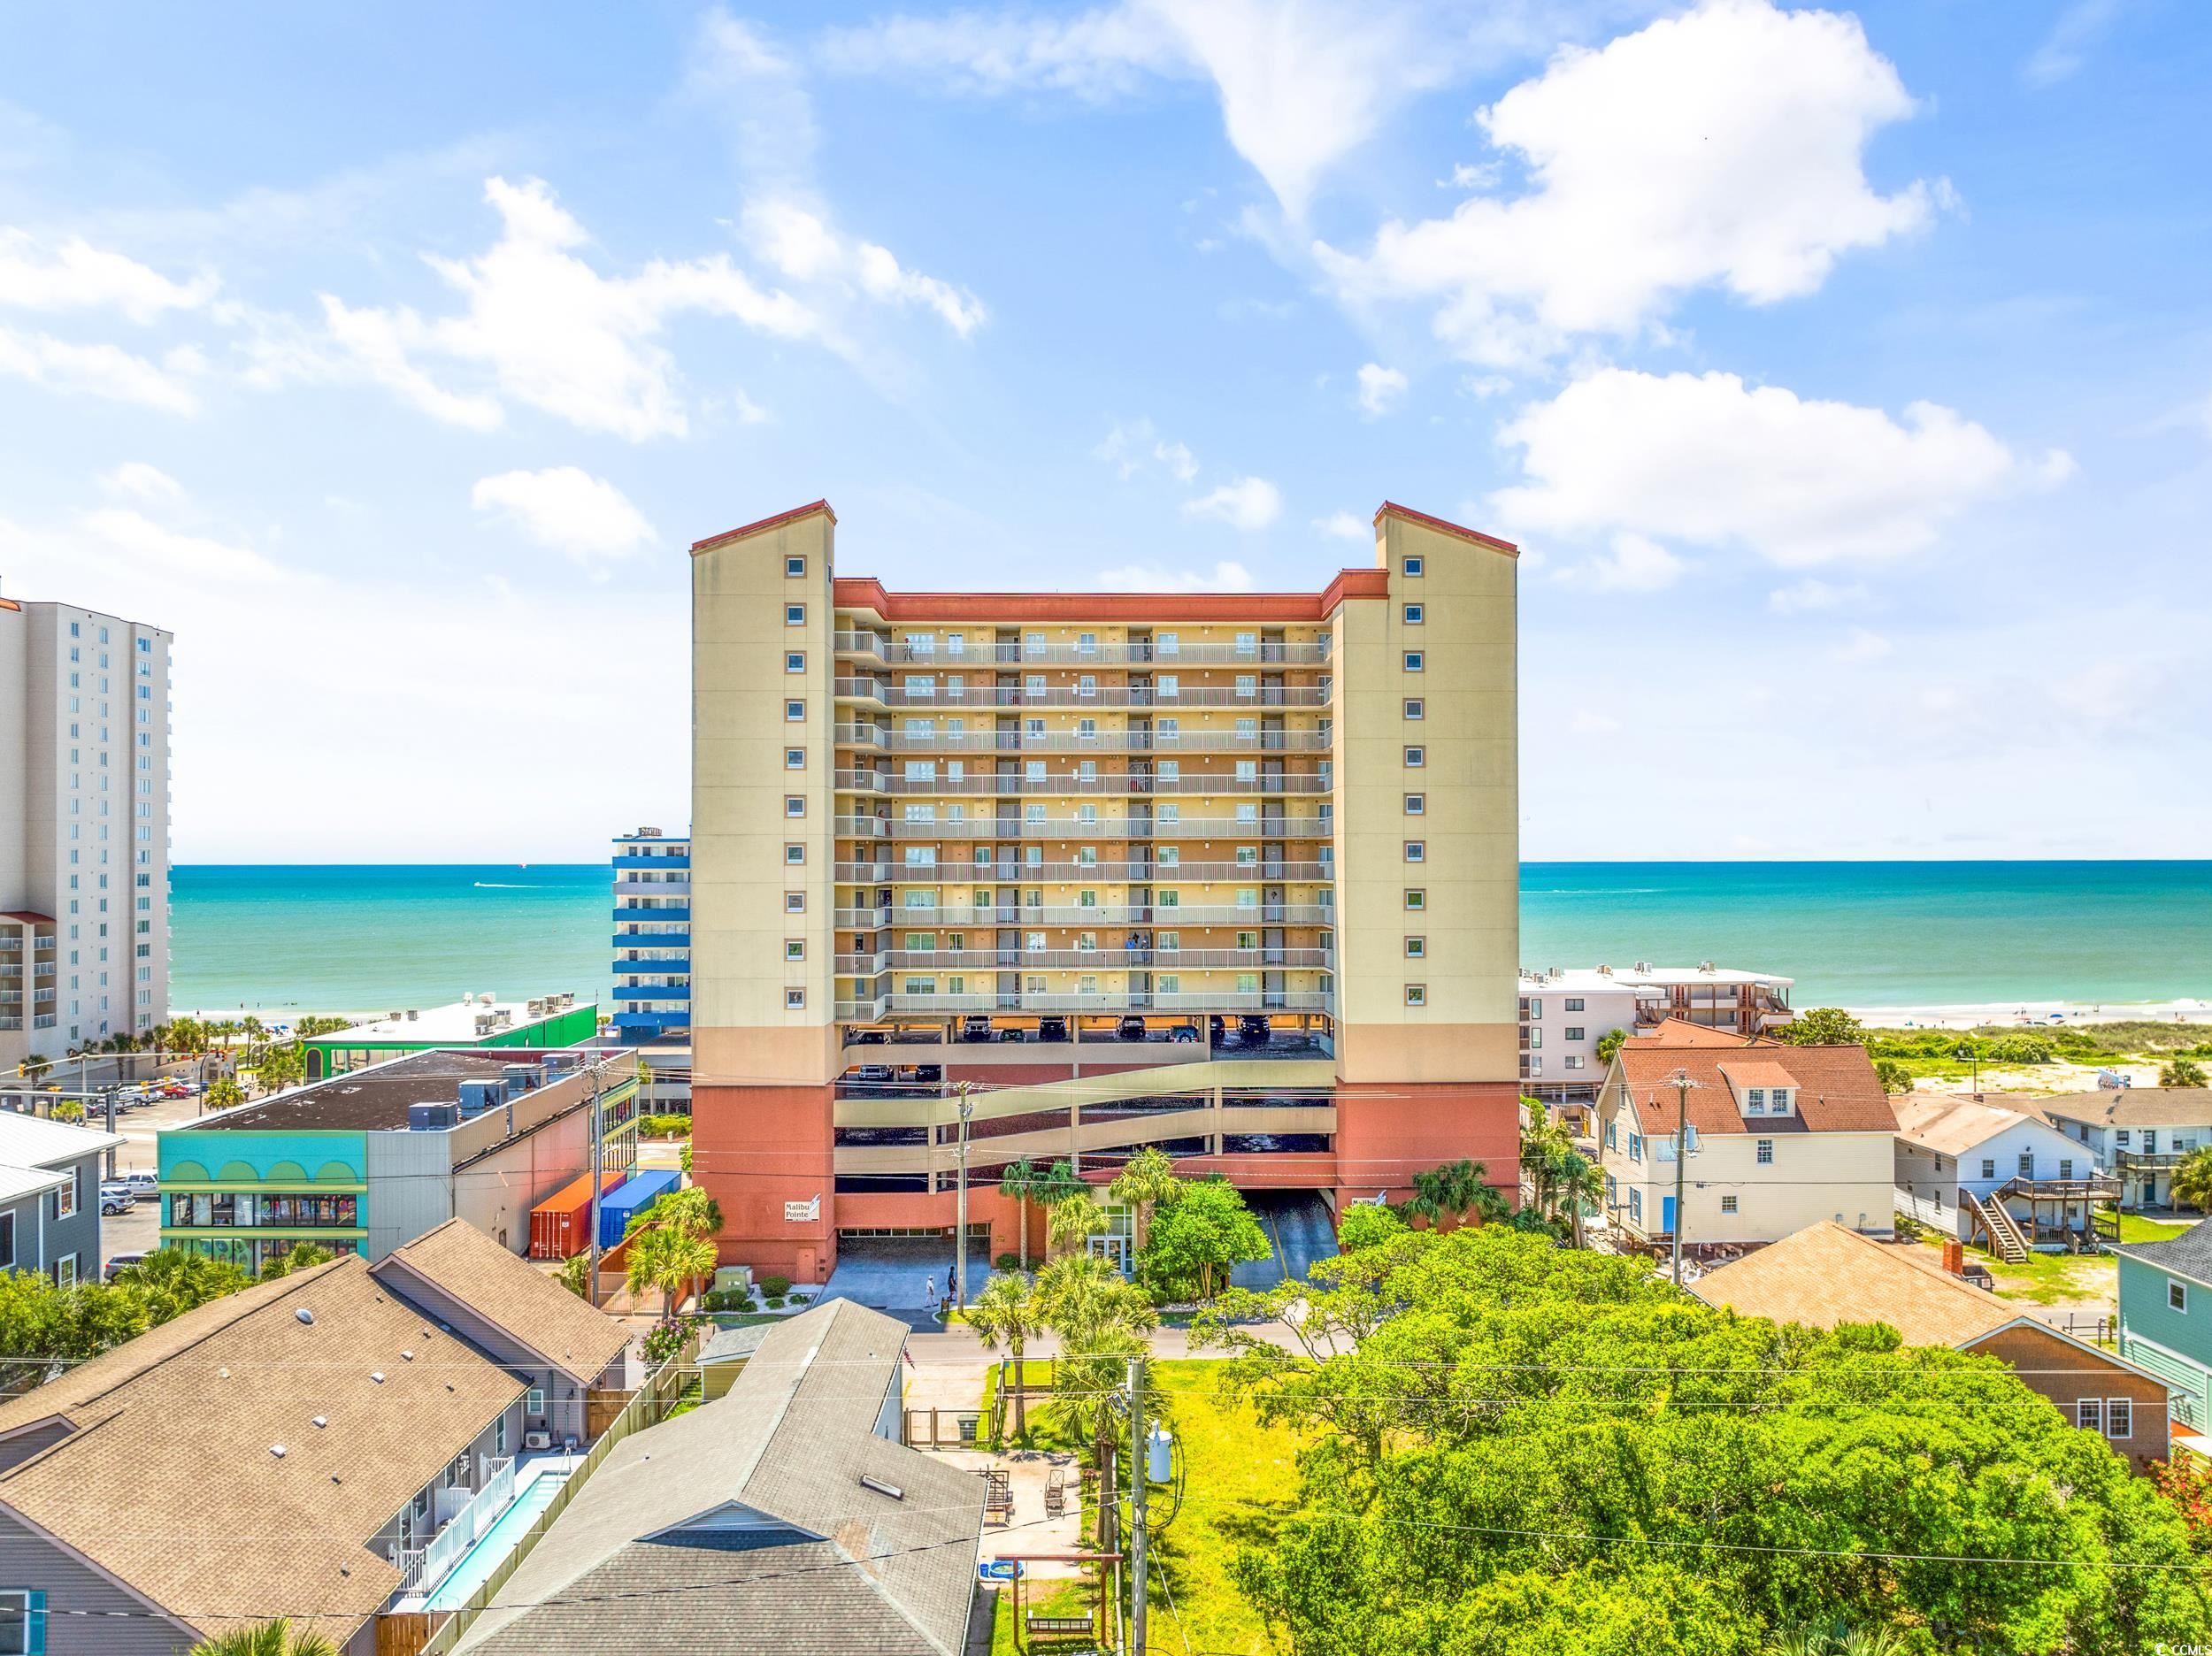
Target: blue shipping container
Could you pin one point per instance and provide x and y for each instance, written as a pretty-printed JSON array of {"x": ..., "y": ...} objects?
[{"x": 629, "y": 1199}]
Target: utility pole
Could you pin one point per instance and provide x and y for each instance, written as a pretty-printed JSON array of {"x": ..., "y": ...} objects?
[
  {"x": 598, "y": 1165},
  {"x": 1140, "y": 1476},
  {"x": 1682, "y": 1086},
  {"x": 960, "y": 1228}
]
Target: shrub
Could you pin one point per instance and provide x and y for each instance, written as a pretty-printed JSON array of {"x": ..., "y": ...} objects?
[
  {"x": 664, "y": 1126},
  {"x": 1007, "y": 1263},
  {"x": 666, "y": 1337},
  {"x": 728, "y": 1300},
  {"x": 1893, "y": 1075},
  {"x": 775, "y": 1287},
  {"x": 775, "y": 1302}
]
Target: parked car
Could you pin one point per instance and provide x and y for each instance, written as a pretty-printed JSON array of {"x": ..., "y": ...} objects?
[
  {"x": 929, "y": 1074},
  {"x": 116, "y": 1199},
  {"x": 975, "y": 1027},
  {"x": 1216, "y": 1028},
  {"x": 872, "y": 1072},
  {"x": 1252, "y": 1030},
  {"x": 869, "y": 1038},
  {"x": 1131, "y": 1028},
  {"x": 1011, "y": 1032},
  {"x": 144, "y": 1184},
  {"x": 1183, "y": 1032},
  {"x": 119, "y": 1262},
  {"x": 176, "y": 1088},
  {"x": 1052, "y": 1029}
]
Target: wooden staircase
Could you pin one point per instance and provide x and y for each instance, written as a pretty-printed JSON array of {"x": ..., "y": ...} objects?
[{"x": 2006, "y": 1239}]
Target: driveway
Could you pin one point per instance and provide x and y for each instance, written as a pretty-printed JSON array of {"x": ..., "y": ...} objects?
[
  {"x": 898, "y": 1274},
  {"x": 1297, "y": 1224}
]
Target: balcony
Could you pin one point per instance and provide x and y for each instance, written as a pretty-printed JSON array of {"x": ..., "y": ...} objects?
[
  {"x": 1115, "y": 785},
  {"x": 1273, "y": 827},
  {"x": 1083, "y": 960},
  {"x": 626, "y": 1021},
  {"x": 652, "y": 939},
  {"x": 1145, "y": 914},
  {"x": 639, "y": 914},
  {"x": 640, "y": 860},
  {"x": 1117, "y": 870},
  {"x": 1074, "y": 698},
  {"x": 882, "y": 736},
  {"x": 1096, "y": 1005},
  {"x": 875, "y": 647},
  {"x": 653, "y": 991}
]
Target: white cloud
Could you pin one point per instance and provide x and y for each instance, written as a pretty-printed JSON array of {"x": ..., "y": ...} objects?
[
  {"x": 1380, "y": 389},
  {"x": 1636, "y": 564},
  {"x": 1224, "y": 577},
  {"x": 1586, "y": 723},
  {"x": 748, "y": 411},
  {"x": 1247, "y": 503},
  {"x": 101, "y": 371},
  {"x": 1129, "y": 446},
  {"x": 2066, "y": 47},
  {"x": 157, "y": 551},
  {"x": 1710, "y": 460},
  {"x": 803, "y": 246},
  {"x": 135, "y": 480},
  {"x": 1720, "y": 148},
  {"x": 1098, "y": 54},
  {"x": 1345, "y": 526},
  {"x": 568, "y": 509},
  {"x": 1859, "y": 645},
  {"x": 76, "y": 276},
  {"x": 1805, "y": 596}
]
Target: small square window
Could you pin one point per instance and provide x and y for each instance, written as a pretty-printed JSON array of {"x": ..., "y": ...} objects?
[
  {"x": 795, "y": 758},
  {"x": 1416, "y": 994},
  {"x": 795, "y": 1000},
  {"x": 795, "y": 855},
  {"x": 794, "y": 804},
  {"x": 1416, "y": 758},
  {"x": 1413, "y": 568},
  {"x": 794, "y": 712},
  {"x": 1417, "y": 898},
  {"x": 794, "y": 902},
  {"x": 1417, "y": 851},
  {"x": 1414, "y": 709},
  {"x": 795, "y": 661},
  {"x": 1416, "y": 948},
  {"x": 793, "y": 568},
  {"x": 1416, "y": 804},
  {"x": 1413, "y": 660},
  {"x": 795, "y": 948},
  {"x": 1413, "y": 615},
  {"x": 1728, "y": 1204},
  {"x": 794, "y": 615}
]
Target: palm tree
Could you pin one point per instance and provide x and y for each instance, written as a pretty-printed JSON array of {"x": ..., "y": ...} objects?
[
  {"x": 1101, "y": 1321},
  {"x": 270, "y": 1638},
  {"x": 1455, "y": 1191},
  {"x": 575, "y": 1275},
  {"x": 1026, "y": 1181},
  {"x": 1009, "y": 1309},
  {"x": 1071, "y": 1222},
  {"x": 1580, "y": 1185},
  {"x": 2193, "y": 1180},
  {"x": 1544, "y": 1146},
  {"x": 223, "y": 1093},
  {"x": 1145, "y": 1180}
]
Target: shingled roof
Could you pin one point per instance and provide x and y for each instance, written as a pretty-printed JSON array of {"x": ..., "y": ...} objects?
[
  {"x": 1837, "y": 1090},
  {"x": 1826, "y": 1274},
  {"x": 744, "y": 1528},
  {"x": 513, "y": 1295},
  {"x": 168, "y": 1477}
]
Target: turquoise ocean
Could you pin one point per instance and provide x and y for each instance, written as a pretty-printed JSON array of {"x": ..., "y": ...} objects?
[{"x": 1907, "y": 934}]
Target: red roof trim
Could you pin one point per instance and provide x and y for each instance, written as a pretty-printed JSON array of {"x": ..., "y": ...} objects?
[
  {"x": 1390, "y": 509},
  {"x": 10, "y": 603},
  {"x": 25, "y": 916},
  {"x": 780, "y": 518},
  {"x": 865, "y": 592}
]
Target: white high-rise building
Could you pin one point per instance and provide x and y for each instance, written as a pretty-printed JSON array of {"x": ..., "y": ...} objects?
[{"x": 84, "y": 828}]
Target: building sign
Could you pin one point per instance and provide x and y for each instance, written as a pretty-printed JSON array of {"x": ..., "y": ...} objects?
[{"x": 803, "y": 1212}]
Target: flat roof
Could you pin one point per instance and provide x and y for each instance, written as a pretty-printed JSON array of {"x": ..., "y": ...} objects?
[
  {"x": 453, "y": 1025},
  {"x": 1598, "y": 980},
  {"x": 375, "y": 1100}
]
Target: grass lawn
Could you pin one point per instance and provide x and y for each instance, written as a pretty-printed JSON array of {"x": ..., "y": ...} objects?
[
  {"x": 2051, "y": 1278},
  {"x": 2135, "y": 1228},
  {"x": 1044, "y": 1431},
  {"x": 1071, "y": 1598},
  {"x": 1241, "y": 1479}
]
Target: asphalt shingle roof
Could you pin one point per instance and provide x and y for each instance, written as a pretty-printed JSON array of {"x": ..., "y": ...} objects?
[
  {"x": 508, "y": 1290},
  {"x": 1837, "y": 1088},
  {"x": 2135, "y": 1106},
  {"x": 1824, "y": 1274},
  {"x": 2189, "y": 1253}
]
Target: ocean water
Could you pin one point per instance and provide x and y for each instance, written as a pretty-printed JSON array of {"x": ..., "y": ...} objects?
[{"x": 1907, "y": 934}]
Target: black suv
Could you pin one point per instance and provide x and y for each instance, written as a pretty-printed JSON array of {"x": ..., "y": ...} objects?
[
  {"x": 1252, "y": 1030},
  {"x": 1052, "y": 1029},
  {"x": 1131, "y": 1028}
]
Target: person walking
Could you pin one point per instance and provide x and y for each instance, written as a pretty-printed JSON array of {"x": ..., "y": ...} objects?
[{"x": 929, "y": 1292}]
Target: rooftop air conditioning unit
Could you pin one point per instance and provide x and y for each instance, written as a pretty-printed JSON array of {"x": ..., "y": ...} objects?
[
  {"x": 413, "y": 1015},
  {"x": 1643, "y": 966},
  {"x": 537, "y": 1440},
  {"x": 1705, "y": 966}
]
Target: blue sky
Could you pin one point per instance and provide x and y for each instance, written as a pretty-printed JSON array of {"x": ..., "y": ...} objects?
[{"x": 1846, "y": 375}]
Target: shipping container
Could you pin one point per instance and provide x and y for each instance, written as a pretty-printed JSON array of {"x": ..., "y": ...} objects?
[
  {"x": 620, "y": 1206},
  {"x": 560, "y": 1226}
]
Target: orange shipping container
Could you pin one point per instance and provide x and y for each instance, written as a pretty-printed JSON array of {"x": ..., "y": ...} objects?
[{"x": 560, "y": 1226}]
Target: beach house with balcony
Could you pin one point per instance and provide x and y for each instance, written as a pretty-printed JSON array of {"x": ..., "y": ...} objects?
[
  {"x": 306, "y": 1447},
  {"x": 1565, "y": 1012},
  {"x": 369, "y": 1159},
  {"x": 1981, "y": 1172},
  {"x": 2138, "y": 1134},
  {"x": 1781, "y": 1137}
]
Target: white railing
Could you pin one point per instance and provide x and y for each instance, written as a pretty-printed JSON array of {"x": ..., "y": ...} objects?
[{"x": 462, "y": 1530}]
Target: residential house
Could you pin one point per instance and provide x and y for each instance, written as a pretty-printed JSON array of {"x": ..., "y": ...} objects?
[
  {"x": 1826, "y": 1274},
  {"x": 1782, "y": 1136},
  {"x": 785, "y": 1516},
  {"x": 1565, "y": 1013},
  {"x": 2138, "y": 1134},
  {"x": 1959, "y": 1158},
  {"x": 289, "y": 1450},
  {"x": 2166, "y": 1317},
  {"x": 50, "y": 1197}
]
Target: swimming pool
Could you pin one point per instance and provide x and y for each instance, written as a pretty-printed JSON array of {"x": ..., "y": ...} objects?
[{"x": 492, "y": 1547}]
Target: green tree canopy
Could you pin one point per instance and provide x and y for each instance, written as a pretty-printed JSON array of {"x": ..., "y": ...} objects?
[
  {"x": 1822, "y": 1026},
  {"x": 1009, "y": 1311},
  {"x": 171, "y": 1281},
  {"x": 270, "y": 1638},
  {"x": 1197, "y": 1238},
  {"x": 2181, "y": 1073},
  {"x": 1609, "y": 1043},
  {"x": 1893, "y": 1075},
  {"x": 1366, "y": 1225}
]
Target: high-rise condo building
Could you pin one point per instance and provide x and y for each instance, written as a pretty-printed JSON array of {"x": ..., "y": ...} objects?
[
  {"x": 1234, "y": 874},
  {"x": 84, "y": 828}
]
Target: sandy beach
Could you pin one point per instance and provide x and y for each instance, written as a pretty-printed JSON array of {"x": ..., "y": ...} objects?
[{"x": 2032, "y": 1014}]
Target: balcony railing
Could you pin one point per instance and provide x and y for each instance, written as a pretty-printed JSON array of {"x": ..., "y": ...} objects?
[
  {"x": 1126, "y": 914},
  {"x": 1115, "y": 870},
  {"x": 1271, "y": 827},
  {"x": 1115, "y": 959},
  {"x": 868, "y": 735},
  {"x": 1115, "y": 784},
  {"x": 1074, "y": 697},
  {"x": 876, "y": 647},
  {"x": 1096, "y": 1005}
]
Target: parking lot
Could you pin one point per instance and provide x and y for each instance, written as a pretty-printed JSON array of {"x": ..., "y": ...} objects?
[{"x": 139, "y": 1230}]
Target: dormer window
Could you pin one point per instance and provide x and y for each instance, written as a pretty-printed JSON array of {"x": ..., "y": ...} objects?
[
  {"x": 1756, "y": 1097},
  {"x": 1781, "y": 1100}
]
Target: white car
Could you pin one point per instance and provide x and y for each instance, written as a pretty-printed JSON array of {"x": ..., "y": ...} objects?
[{"x": 145, "y": 1186}]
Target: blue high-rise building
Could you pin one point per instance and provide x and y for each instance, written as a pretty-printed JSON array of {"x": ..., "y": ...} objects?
[{"x": 652, "y": 938}]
